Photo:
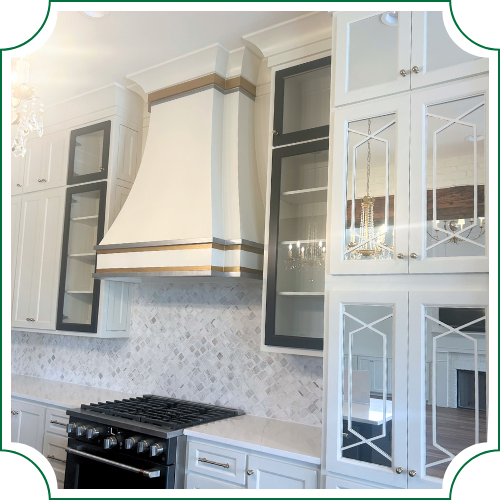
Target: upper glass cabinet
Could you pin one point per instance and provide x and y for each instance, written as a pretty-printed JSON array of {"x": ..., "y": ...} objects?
[
  {"x": 381, "y": 53},
  {"x": 302, "y": 102},
  {"x": 89, "y": 153},
  {"x": 297, "y": 247},
  {"x": 449, "y": 219}
]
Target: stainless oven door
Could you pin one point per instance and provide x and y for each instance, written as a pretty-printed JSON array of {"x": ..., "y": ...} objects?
[{"x": 91, "y": 467}]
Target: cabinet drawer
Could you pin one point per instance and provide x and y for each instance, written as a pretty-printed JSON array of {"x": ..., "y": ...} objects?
[
  {"x": 60, "y": 478},
  {"x": 337, "y": 483},
  {"x": 228, "y": 465},
  {"x": 195, "y": 482},
  {"x": 55, "y": 421},
  {"x": 54, "y": 450}
]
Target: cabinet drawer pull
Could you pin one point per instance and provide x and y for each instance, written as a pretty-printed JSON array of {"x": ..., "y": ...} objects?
[
  {"x": 249, "y": 472},
  {"x": 30, "y": 319},
  {"x": 52, "y": 457},
  {"x": 18, "y": 185},
  {"x": 205, "y": 461},
  {"x": 14, "y": 412},
  {"x": 58, "y": 423},
  {"x": 42, "y": 180}
]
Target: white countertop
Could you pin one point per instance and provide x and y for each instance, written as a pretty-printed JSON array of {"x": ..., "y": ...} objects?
[
  {"x": 62, "y": 394},
  {"x": 277, "y": 437},
  {"x": 372, "y": 413}
]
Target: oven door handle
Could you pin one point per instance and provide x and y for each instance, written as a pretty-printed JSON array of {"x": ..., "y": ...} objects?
[{"x": 147, "y": 473}]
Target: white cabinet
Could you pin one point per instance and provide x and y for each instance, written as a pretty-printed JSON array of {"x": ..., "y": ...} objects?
[
  {"x": 338, "y": 483},
  {"x": 46, "y": 162},
  {"x": 119, "y": 198},
  {"x": 435, "y": 56},
  {"x": 213, "y": 466},
  {"x": 38, "y": 259},
  {"x": 449, "y": 178},
  {"x": 54, "y": 450},
  {"x": 382, "y": 53},
  {"x": 371, "y": 55},
  {"x": 17, "y": 174},
  {"x": 439, "y": 224},
  {"x": 28, "y": 424},
  {"x": 128, "y": 154},
  {"x": 16, "y": 203},
  {"x": 265, "y": 473}
]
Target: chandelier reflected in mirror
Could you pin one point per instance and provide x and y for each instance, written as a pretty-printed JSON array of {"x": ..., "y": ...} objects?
[
  {"x": 367, "y": 243},
  {"x": 26, "y": 108},
  {"x": 458, "y": 234}
]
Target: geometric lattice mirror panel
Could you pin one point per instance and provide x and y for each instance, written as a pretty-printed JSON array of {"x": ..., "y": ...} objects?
[
  {"x": 370, "y": 189},
  {"x": 367, "y": 384},
  {"x": 455, "y": 383},
  {"x": 456, "y": 172}
]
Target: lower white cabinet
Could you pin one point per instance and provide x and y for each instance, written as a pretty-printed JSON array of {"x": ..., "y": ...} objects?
[
  {"x": 338, "y": 483},
  {"x": 264, "y": 473},
  {"x": 43, "y": 428},
  {"x": 28, "y": 424},
  {"x": 214, "y": 466}
]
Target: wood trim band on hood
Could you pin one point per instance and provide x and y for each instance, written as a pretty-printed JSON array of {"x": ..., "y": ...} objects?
[{"x": 194, "y": 246}]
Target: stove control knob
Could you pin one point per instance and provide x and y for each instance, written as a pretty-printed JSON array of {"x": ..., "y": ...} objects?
[
  {"x": 71, "y": 427},
  {"x": 92, "y": 433},
  {"x": 143, "y": 446},
  {"x": 156, "y": 450},
  {"x": 131, "y": 443},
  {"x": 81, "y": 430},
  {"x": 110, "y": 442}
]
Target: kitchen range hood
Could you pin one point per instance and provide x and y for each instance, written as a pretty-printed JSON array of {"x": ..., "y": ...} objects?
[{"x": 195, "y": 209}]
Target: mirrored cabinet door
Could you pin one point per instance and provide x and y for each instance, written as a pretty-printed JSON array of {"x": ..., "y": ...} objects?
[
  {"x": 435, "y": 56},
  {"x": 369, "y": 210},
  {"x": 447, "y": 380},
  {"x": 297, "y": 246},
  {"x": 449, "y": 167},
  {"x": 83, "y": 228},
  {"x": 89, "y": 153},
  {"x": 366, "y": 415},
  {"x": 302, "y": 102},
  {"x": 372, "y": 55}
]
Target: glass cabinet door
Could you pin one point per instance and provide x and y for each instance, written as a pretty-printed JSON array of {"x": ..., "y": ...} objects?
[
  {"x": 449, "y": 167},
  {"x": 447, "y": 380},
  {"x": 89, "y": 153},
  {"x": 435, "y": 57},
  {"x": 297, "y": 246},
  {"x": 369, "y": 211},
  {"x": 366, "y": 372},
  {"x": 372, "y": 55},
  {"x": 83, "y": 228},
  {"x": 302, "y": 102}
]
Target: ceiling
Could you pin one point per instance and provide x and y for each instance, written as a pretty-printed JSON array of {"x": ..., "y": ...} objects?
[{"x": 83, "y": 54}]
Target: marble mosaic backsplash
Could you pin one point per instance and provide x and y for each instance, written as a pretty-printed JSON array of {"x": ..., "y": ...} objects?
[{"x": 190, "y": 341}]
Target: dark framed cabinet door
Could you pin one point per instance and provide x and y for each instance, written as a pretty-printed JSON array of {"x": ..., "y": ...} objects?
[
  {"x": 89, "y": 153},
  {"x": 78, "y": 302},
  {"x": 302, "y": 102},
  {"x": 297, "y": 246}
]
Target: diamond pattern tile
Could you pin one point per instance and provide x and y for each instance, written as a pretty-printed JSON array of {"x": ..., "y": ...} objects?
[{"x": 199, "y": 342}]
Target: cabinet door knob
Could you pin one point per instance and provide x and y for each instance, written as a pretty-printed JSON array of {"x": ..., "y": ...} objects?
[
  {"x": 413, "y": 255},
  {"x": 249, "y": 472},
  {"x": 275, "y": 132},
  {"x": 14, "y": 412},
  {"x": 415, "y": 69},
  {"x": 399, "y": 470},
  {"x": 412, "y": 473},
  {"x": 402, "y": 72},
  {"x": 401, "y": 256},
  {"x": 18, "y": 185}
]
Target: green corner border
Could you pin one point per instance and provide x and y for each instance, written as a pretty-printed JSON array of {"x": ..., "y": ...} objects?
[{"x": 331, "y": 4}]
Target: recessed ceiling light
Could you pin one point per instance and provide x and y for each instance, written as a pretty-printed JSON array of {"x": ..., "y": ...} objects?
[
  {"x": 390, "y": 18},
  {"x": 471, "y": 138},
  {"x": 94, "y": 14}
]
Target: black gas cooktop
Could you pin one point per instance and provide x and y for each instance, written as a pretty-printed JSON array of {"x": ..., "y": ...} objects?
[{"x": 161, "y": 411}]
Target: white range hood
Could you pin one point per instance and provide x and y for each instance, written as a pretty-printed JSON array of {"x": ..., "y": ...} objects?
[{"x": 195, "y": 208}]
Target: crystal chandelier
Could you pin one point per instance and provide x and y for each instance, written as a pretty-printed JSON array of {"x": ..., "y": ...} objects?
[
  {"x": 308, "y": 255},
  {"x": 370, "y": 244},
  {"x": 26, "y": 109}
]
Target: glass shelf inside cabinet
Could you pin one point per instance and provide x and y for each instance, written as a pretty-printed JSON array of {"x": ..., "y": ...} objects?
[
  {"x": 82, "y": 226},
  {"x": 456, "y": 172},
  {"x": 301, "y": 247}
]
